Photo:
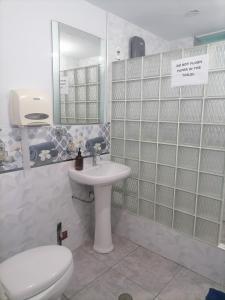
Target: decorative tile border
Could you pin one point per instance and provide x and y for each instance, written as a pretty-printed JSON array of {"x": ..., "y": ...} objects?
[{"x": 48, "y": 144}]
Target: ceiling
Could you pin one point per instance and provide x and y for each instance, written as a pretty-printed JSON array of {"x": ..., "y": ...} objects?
[{"x": 169, "y": 18}]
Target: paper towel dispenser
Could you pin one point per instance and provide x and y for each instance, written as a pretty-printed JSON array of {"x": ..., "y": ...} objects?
[{"x": 29, "y": 108}]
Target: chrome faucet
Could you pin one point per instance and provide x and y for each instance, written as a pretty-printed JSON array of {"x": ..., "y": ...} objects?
[
  {"x": 94, "y": 147},
  {"x": 94, "y": 158}
]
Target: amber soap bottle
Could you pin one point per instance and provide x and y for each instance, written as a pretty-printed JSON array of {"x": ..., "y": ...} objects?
[{"x": 79, "y": 161}]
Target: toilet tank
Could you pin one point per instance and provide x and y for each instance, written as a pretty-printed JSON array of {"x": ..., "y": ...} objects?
[{"x": 29, "y": 108}]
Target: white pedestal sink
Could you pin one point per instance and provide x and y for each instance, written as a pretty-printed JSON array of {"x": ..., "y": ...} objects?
[{"x": 101, "y": 177}]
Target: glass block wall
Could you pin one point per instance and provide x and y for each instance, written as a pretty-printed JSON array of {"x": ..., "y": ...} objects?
[
  {"x": 174, "y": 141},
  {"x": 81, "y": 104}
]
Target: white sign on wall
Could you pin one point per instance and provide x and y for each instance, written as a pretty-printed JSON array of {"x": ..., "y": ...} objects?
[
  {"x": 64, "y": 85},
  {"x": 190, "y": 71}
]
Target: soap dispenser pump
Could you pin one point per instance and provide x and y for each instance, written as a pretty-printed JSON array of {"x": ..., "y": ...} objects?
[{"x": 79, "y": 161}]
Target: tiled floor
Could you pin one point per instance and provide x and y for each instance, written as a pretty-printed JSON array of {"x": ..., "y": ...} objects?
[{"x": 134, "y": 270}]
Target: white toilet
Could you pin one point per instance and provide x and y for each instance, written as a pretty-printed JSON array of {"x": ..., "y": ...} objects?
[{"x": 37, "y": 274}]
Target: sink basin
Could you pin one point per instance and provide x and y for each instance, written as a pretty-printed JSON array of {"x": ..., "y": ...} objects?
[
  {"x": 105, "y": 173},
  {"x": 102, "y": 177}
]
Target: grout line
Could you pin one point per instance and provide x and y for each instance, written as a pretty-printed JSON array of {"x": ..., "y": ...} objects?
[
  {"x": 109, "y": 268},
  {"x": 168, "y": 283}
]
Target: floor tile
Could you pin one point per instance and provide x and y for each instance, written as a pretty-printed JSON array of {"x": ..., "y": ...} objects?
[
  {"x": 122, "y": 247},
  {"x": 147, "y": 269},
  {"x": 86, "y": 269},
  {"x": 187, "y": 285},
  {"x": 110, "y": 286}
]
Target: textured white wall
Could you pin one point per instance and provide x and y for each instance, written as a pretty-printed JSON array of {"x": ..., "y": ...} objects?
[{"x": 31, "y": 205}]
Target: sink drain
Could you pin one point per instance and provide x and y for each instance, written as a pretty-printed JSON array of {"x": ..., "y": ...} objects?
[{"x": 125, "y": 297}]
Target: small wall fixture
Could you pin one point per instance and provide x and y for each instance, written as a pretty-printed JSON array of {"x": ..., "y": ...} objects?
[{"x": 29, "y": 108}]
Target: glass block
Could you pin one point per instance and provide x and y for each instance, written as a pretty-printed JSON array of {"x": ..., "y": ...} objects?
[
  {"x": 147, "y": 171},
  {"x": 151, "y": 65},
  {"x": 119, "y": 185},
  {"x": 146, "y": 209},
  {"x": 92, "y": 92},
  {"x": 148, "y": 152},
  {"x": 189, "y": 134},
  {"x": 118, "y": 110},
  {"x": 167, "y": 59},
  {"x": 71, "y": 94},
  {"x": 209, "y": 208},
  {"x": 132, "y": 130},
  {"x": 134, "y": 165},
  {"x": 167, "y": 91},
  {"x": 117, "y": 147},
  {"x": 63, "y": 110},
  {"x": 168, "y": 133},
  {"x": 92, "y": 110},
  {"x": 164, "y": 215},
  {"x": 183, "y": 223},
  {"x": 93, "y": 121},
  {"x": 188, "y": 158},
  {"x": 134, "y": 66},
  {"x": 214, "y": 111},
  {"x": 131, "y": 186},
  {"x": 70, "y": 77},
  {"x": 165, "y": 175},
  {"x": 131, "y": 204},
  {"x": 133, "y": 110},
  {"x": 117, "y": 129},
  {"x": 164, "y": 195},
  {"x": 186, "y": 180},
  {"x": 134, "y": 89},
  {"x": 150, "y": 110},
  {"x": 132, "y": 149},
  {"x": 216, "y": 86},
  {"x": 80, "y": 76},
  {"x": 70, "y": 110},
  {"x": 191, "y": 91},
  {"x": 195, "y": 51},
  {"x": 117, "y": 160},
  {"x": 118, "y": 70},
  {"x": 185, "y": 201},
  {"x": 216, "y": 55},
  {"x": 151, "y": 88},
  {"x": 117, "y": 199},
  {"x": 147, "y": 190},
  {"x": 169, "y": 110},
  {"x": 212, "y": 161},
  {"x": 80, "y": 110},
  {"x": 207, "y": 231},
  {"x": 211, "y": 185},
  {"x": 149, "y": 131},
  {"x": 118, "y": 91},
  {"x": 213, "y": 136},
  {"x": 92, "y": 74},
  {"x": 62, "y": 98},
  {"x": 190, "y": 110},
  {"x": 167, "y": 154}
]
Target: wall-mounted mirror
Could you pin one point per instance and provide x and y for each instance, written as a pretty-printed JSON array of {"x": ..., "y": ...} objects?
[{"x": 78, "y": 76}]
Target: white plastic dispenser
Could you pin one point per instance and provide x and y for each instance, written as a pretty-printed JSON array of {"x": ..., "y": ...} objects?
[{"x": 29, "y": 108}]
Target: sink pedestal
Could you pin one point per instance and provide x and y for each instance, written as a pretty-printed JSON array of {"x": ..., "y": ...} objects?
[{"x": 103, "y": 234}]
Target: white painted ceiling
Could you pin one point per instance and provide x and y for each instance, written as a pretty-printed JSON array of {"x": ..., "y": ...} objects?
[{"x": 168, "y": 18}]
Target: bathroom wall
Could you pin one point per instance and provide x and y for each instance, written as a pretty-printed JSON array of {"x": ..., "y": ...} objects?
[
  {"x": 32, "y": 202},
  {"x": 163, "y": 183}
]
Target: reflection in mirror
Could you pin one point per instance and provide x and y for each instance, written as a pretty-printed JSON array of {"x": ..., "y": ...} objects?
[{"x": 78, "y": 76}]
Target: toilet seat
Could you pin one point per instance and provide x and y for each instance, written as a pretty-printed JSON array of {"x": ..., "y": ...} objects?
[{"x": 34, "y": 271}]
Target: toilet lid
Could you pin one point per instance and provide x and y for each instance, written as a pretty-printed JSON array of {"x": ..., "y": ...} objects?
[{"x": 33, "y": 271}]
